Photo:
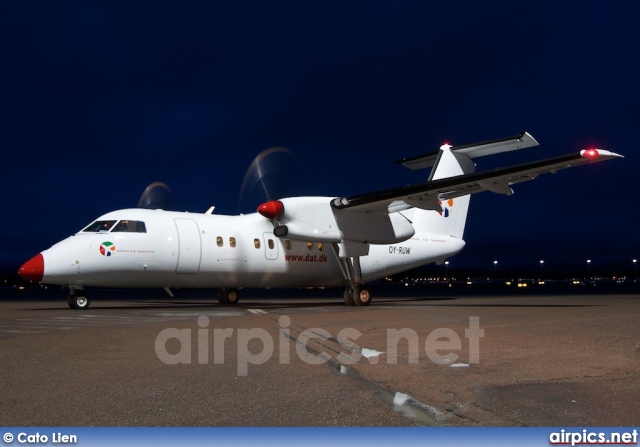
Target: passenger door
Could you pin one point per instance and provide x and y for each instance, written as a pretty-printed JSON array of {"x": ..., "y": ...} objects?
[{"x": 189, "y": 246}]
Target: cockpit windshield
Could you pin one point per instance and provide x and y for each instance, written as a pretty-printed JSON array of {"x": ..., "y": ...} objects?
[
  {"x": 130, "y": 226},
  {"x": 124, "y": 226},
  {"x": 100, "y": 226}
]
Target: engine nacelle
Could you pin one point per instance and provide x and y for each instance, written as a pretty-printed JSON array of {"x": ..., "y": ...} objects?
[
  {"x": 308, "y": 218},
  {"x": 313, "y": 218}
]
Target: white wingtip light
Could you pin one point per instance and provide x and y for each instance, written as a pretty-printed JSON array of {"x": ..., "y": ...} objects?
[{"x": 598, "y": 153}]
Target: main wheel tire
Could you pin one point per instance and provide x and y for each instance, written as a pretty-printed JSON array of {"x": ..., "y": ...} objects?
[
  {"x": 348, "y": 296},
  {"x": 232, "y": 296},
  {"x": 228, "y": 296},
  {"x": 361, "y": 296},
  {"x": 79, "y": 302}
]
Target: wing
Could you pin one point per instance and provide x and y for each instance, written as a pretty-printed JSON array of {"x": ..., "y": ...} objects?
[{"x": 427, "y": 195}]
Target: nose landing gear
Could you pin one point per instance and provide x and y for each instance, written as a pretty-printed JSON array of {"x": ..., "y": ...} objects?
[{"x": 78, "y": 300}]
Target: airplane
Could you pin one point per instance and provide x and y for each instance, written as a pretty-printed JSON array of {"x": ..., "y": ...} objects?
[{"x": 294, "y": 241}]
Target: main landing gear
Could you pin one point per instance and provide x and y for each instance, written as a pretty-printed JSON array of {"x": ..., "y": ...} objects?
[
  {"x": 228, "y": 296},
  {"x": 78, "y": 300},
  {"x": 356, "y": 294}
]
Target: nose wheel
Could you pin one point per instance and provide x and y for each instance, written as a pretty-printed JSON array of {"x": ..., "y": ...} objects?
[{"x": 78, "y": 301}]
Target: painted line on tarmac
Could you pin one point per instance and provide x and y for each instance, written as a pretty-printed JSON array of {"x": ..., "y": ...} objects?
[{"x": 320, "y": 345}]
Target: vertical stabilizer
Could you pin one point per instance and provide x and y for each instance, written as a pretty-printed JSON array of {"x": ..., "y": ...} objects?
[{"x": 451, "y": 220}]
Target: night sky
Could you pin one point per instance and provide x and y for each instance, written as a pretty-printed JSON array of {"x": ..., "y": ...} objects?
[{"x": 100, "y": 99}]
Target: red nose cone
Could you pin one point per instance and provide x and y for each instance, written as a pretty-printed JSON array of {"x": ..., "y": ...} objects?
[
  {"x": 33, "y": 269},
  {"x": 274, "y": 209}
]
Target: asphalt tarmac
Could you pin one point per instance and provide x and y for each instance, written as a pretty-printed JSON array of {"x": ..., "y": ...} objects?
[{"x": 305, "y": 359}]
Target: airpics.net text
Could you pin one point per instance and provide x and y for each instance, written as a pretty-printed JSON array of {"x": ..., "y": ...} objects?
[{"x": 256, "y": 346}]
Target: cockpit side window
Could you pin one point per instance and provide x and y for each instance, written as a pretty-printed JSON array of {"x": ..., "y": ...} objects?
[
  {"x": 99, "y": 226},
  {"x": 130, "y": 226}
]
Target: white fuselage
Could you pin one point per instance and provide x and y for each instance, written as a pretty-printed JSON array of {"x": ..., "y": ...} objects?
[{"x": 181, "y": 249}]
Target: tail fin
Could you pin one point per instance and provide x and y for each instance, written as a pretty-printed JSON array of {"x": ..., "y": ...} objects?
[
  {"x": 451, "y": 219},
  {"x": 450, "y": 162}
]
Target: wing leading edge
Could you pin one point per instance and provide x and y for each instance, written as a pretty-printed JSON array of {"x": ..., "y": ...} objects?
[{"x": 427, "y": 195}]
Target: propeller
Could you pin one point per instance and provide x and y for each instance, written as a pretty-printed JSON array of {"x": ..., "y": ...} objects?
[
  {"x": 157, "y": 196},
  {"x": 275, "y": 173}
]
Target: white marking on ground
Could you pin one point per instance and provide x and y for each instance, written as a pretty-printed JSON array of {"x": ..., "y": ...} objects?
[
  {"x": 399, "y": 399},
  {"x": 368, "y": 353}
]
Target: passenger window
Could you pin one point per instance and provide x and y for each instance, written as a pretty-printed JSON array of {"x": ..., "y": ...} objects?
[
  {"x": 287, "y": 244},
  {"x": 219, "y": 241},
  {"x": 129, "y": 226},
  {"x": 310, "y": 246},
  {"x": 320, "y": 246},
  {"x": 256, "y": 243},
  {"x": 100, "y": 226},
  {"x": 271, "y": 244},
  {"x": 232, "y": 242}
]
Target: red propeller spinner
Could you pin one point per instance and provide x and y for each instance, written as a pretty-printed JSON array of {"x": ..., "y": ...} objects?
[{"x": 273, "y": 209}]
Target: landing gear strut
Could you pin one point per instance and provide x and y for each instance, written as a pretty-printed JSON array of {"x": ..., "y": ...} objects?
[
  {"x": 228, "y": 296},
  {"x": 356, "y": 294}
]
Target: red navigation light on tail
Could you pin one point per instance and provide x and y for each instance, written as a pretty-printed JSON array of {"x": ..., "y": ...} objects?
[{"x": 273, "y": 209}]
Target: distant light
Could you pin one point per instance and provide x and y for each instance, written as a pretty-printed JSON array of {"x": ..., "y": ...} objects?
[
  {"x": 591, "y": 153},
  {"x": 588, "y": 261},
  {"x": 541, "y": 261},
  {"x": 634, "y": 261},
  {"x": 495, "y": 262}
]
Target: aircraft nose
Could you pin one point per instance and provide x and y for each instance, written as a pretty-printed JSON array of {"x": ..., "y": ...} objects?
[{"x": 33, "y": 269}]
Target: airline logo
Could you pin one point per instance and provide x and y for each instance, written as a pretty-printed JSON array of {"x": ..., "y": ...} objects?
[
  {"x": 107, "y": 248},
  {"x": 446, "y": 207}
]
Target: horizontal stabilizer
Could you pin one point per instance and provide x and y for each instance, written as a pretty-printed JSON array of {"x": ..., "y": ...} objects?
[{"x": 520, "y": 141}]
